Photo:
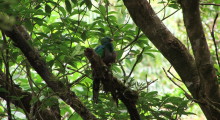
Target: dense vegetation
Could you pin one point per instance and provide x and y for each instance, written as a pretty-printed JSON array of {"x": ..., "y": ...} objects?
[{"x": 46, "y": 74}]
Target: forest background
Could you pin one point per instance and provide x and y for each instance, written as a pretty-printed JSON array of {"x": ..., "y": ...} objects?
[{"x": 165, "y": 52}]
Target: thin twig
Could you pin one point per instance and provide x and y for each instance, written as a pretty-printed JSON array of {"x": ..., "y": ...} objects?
[
  {"x": 148, "y": 84},
  {"x": 124, "y": 73},
  {"x": 210, "y": 103},
  {"x": 8, "y": 84},
  {"x": 75, "y": 71},
  {"x": 170, "y": 15},
  {"x": 107, "y": 19},
  {"x": 126, "y": 54},
  {"x": 173, "y": 74},
  {"x": 210, "y": 4},
  {"x": 58, "y": 2},
  {"x": 163, "y": 7},
  {"x": 135, "y": 39},
  {"x": 187, "y": 94},
  {"x": 78, "y": 80},
  {"x": 136, "y": 62},
  {"x": 213, "y": 38},
  {"x": 79, "y": 21},
  {"x": 122, "y": 25}
]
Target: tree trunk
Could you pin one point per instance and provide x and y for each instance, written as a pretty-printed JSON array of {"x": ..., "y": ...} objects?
[{"x": 197, "y": 71}]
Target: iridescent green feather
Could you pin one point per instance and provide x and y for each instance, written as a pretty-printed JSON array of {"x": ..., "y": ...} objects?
[{"x": 100, "y": 50}]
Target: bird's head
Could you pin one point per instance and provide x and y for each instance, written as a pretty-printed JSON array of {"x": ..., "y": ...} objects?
[{"x": 106, "y": 40}]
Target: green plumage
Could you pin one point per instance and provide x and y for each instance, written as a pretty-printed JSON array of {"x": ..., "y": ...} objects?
[
  {"x": 106, "y": 50},
  {"x": 108, "y": 55}
]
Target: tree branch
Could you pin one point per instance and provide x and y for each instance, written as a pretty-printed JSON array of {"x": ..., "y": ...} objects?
[
  {"x": 136, "y": 62},
  {"x": 171, "y": 48},
  {"x": 208, "y": 79},
  {"x": 111, "y": 84},
  {"x": 186, "y": 93},
  {"x": 176, "y": 53},
  {"x": 25, "y": 101},
  {"x": 213, "y": 38},
  {"x": 40, "y": 66},
  {"x": 6, "y": 62},
  {"x": 210, "y": 4}
]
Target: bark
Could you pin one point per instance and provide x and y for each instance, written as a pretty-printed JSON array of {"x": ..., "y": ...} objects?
[
  {"x": 208, "y": 79},
  {"x": 41, "y": 68},
  {"x": 195, "y": 73},
  {"x": 25, "y": 102},
  {"x": 111, "y": 84}
]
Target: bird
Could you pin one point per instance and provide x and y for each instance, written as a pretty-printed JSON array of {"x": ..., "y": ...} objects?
[
  {"x": 106, "y": 51},
  {"x": 108, "y": 55}
]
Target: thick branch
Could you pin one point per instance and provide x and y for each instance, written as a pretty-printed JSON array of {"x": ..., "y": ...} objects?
[
  {"x": 192, "y": 20},
  {"x": 40, "y": 66},
  {"x": 208, "y": 78},
  {"x": 171, "y": 48},
  {"x": 25, "y": 101},
  {"x": 112, "y": 84},
  {"x": 213, "y": 38}
]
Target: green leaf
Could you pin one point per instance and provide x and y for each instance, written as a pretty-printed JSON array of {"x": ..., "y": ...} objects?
[
  {"x": 119, "y": 54},
  {"x": 75, "y": 116},
  {"x": 188, "y": 113},
  {"x": 77, "y": 51},
  {"x": 38, "y": 21},
  {"x": 50, "y": 63},
  {"x": 68, "y": 6},
  {"x": 173, "y": 4},
  {"x": 63, "y": 11},
  {"x": 16, "y": 97},
  {"x": 74, "y": 1},
  {"x": 88, "y": 72},
  {"x": 169, "y": 106},
  {"x": 175, "y": 100},
  {"x": 1, "y": 61},
  {"x": 28, "y": 24},
  {"x": 139, "y": 58},
  {"x": 84, "y": 35},
  {"x": 150, "y": 54},
  {"x": 49, "y": 102},
  {"x": 116, "y": 69},
  {"x": 37, "y": 7},
  {"x": 102, "y": 10},
  {"x": 151, "y": 94},
  {"x": 88, "y": 3},
  {"x": 48, "y": 9}
]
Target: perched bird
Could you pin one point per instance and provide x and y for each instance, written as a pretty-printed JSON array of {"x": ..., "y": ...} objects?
[
  {"x": 108, "y": 55},
  {"x": 106, "y": 51}
]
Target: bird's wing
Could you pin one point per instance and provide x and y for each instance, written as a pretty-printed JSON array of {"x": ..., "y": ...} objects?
[{"x": 100, "y": 50}]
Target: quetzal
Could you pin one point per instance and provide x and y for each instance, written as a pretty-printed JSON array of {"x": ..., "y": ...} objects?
[
  {"x": 106, "y": 51},
  {"x": 108, "y": 55}
]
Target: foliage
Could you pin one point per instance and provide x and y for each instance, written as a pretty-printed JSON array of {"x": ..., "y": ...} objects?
[{"x": 61, "y": 30}]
